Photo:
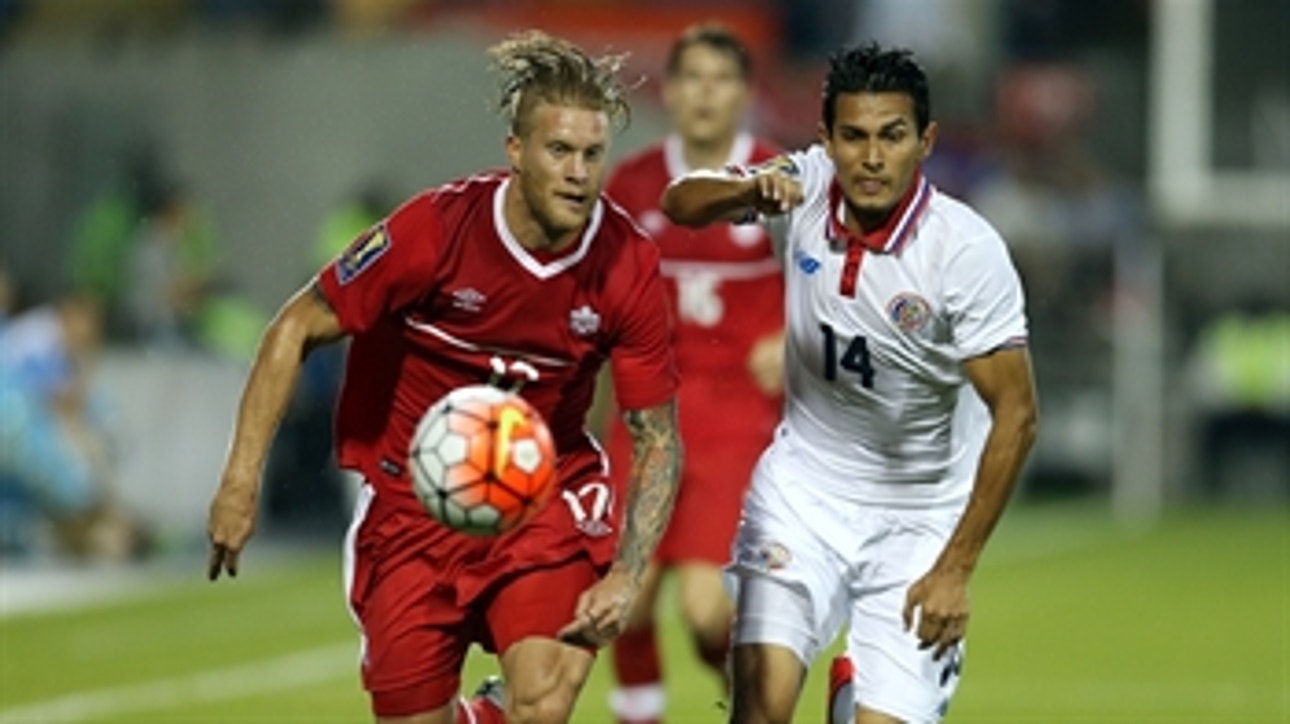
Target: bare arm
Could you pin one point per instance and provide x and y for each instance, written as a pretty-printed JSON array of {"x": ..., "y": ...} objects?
[
  {"x": 602, "y": 610},
  {"x": 651, "y": 487},
  {"x": 1005, "y": 382},
  {"x": 703, "y": 197},
  {"x": 304, "y": 322}
]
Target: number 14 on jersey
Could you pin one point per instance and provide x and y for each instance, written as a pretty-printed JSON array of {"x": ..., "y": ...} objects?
[{"x": 854, "y": 359}]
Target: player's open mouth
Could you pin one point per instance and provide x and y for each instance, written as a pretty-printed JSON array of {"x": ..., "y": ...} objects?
[{"x": 573, "y": 199}]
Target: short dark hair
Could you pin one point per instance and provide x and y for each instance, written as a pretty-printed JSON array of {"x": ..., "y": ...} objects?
[
  {"x": 869, "y": 68},
  {"x": 715, "y": 36}
]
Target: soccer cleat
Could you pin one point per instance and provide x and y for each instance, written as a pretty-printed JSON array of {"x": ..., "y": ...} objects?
[
  {"x": 841, "y": 704},
  {"x": 492, "y": 690}
]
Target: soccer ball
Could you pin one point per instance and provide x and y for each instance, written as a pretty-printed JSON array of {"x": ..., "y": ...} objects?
[{"x": 482, "y": 460}]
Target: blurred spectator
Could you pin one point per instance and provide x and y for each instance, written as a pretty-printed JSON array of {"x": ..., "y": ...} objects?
[
  {"x": 171, "y": 269},
  {"x": 1059, "y": 209},
  {"x": 55, "y": 458},
  {"x": 1240, "y": 382},
  {"x": 99, "y": 259},
  {"x": 173, "y": 298},
  {"x": 1064, "y": 215}
]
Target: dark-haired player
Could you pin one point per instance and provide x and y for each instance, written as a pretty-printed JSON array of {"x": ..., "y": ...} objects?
[{"x": 909, "y": 406}]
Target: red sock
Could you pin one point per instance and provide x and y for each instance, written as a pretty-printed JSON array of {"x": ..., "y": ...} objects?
[
  {"x": 636, "y": 660},
  {"x": 479, "y": 711},
  {"x": 841, "y": 690}
]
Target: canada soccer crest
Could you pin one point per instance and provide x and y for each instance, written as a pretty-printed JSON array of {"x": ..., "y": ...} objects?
[{"x": 584, "y": 321}]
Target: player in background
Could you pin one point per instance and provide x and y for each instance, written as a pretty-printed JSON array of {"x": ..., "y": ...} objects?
[
  {"x": 532, "y": 268},
  {"x": 727, "y": 300},
  {"x": 909, "y": 406}
]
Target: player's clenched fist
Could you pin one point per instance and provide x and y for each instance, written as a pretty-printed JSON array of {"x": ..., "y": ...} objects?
[
  {"x": 230, "y": 525},
  {"x": 775, "y": 192}
]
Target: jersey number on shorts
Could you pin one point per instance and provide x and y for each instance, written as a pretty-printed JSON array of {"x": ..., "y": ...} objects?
[{"x": 854, "y": 359}]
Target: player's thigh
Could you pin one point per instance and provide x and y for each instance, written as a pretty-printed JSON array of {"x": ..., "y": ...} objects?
[
  {"x": 528, "y": 609},
  {"x": 788, "y": 583},
  {"x": 705, "y": 605},
  {"x": 894, "y": 677},
  {"x": 414, "y": 634}
]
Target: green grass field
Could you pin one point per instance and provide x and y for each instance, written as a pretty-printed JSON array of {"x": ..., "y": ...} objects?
[{"x": 1075, "y": 620}]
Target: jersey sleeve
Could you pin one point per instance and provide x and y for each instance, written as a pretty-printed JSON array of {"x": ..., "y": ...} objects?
[
  {"x": 385, "y": 269},
  {"x": 984, "y": 298},
  {"x": 644, "y": 369}
]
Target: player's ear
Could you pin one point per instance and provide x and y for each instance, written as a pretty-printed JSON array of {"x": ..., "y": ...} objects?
[
  {"x": 513, "y": 147},
  {"x": 928, "y": 141},
  {"x": 822, "y": 132}
]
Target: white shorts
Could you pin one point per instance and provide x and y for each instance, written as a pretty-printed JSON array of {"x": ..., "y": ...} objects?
[{"x": 804, "y": 565}]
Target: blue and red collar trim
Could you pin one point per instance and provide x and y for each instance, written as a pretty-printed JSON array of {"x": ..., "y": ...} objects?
[{"x": 900, "y": 226}]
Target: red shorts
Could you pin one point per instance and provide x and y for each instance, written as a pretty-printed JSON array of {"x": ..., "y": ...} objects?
[
  {"x": 725, "y": 428},
  {"x": 422, "y": 594}
]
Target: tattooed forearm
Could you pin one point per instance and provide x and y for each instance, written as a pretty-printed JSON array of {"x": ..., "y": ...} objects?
[{"x": 656, "y": 471}]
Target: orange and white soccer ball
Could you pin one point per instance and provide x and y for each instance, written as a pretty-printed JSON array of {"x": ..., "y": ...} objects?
[{"x": 482, "y": 460}]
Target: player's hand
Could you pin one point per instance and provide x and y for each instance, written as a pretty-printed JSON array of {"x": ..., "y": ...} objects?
[
  {"x": 942, "y": 603},
  {"x": 766, "y": 364},
  {"x": 601, "y": 613},
  {"x": 776, "y": 192},
  {"x": 230, "y": 525}
]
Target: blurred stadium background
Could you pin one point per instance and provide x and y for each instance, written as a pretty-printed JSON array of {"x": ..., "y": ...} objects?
[{"x": 1135, "y": 154}]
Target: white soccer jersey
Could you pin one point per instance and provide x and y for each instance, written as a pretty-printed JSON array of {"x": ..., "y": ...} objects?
[{"x": 876, "y": 395}]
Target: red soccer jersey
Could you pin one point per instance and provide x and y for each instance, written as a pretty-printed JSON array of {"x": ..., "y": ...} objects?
[
  {"x": 724, "y": 285},
  {"x": 723, "y": 280},
  {"x": 441, "y": 288}
]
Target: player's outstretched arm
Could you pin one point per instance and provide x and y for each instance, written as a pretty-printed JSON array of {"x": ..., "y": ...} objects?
[
  {"x": 651, "y": 489},
  {"x": 1005, "y": 382},
  {"x": 304, "y": 322},
  {"x": 703, "y": 197}
]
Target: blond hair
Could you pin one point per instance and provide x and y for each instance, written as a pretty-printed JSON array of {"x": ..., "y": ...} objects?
[{"x": 536, "y": 67}]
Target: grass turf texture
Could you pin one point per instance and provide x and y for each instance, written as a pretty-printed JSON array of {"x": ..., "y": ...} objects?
[{"x": 1075, "y": 620}]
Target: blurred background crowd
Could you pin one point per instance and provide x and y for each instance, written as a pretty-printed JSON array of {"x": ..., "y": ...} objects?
[{"x": 170, "y": 170}]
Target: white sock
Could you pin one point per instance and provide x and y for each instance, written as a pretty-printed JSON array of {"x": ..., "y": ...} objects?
[{"x": 638, "y": 703}]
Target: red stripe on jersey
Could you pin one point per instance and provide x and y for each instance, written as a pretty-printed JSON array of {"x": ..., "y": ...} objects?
[{"x": 851, "y": 269}]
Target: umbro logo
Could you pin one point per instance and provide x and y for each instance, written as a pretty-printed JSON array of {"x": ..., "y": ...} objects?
[{"x": 468, "y": 299}]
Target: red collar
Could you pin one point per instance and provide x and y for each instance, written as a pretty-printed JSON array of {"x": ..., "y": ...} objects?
[{"x": 896, "y": 231}]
